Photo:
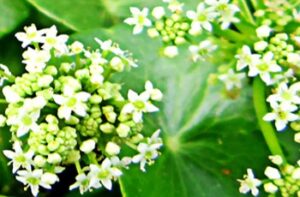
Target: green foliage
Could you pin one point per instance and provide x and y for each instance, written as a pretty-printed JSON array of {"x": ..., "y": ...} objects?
[{"x": 13, "y": 12}]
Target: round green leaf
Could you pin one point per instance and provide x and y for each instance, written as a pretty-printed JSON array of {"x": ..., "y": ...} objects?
[{"x": 209, "y": 140}]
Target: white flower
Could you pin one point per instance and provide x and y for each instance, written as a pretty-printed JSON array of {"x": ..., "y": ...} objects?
[
  {"x": 77, "y": 47},
  {"x": 148, "y": 151},
  {"x": 139, "y": 19},
  {"x": 201, "y": 19},
  {"x": 232, "y": 79},
  {"x": 293, "y": 58},
  {"x": 272, "y": 173},
  {"x": 158, "y": 12},
  {"x": 32, "y": 179},
  {"x": 246, "y": 58},
  {"x": 264, "y": 67},
  {"x": 35, "y": 59},
  {"x": 285, "y": 94},
  {"x": 88, "y": 146},
  {"x": 155, "y": 94},
  {"x": 282, "y": 114},
  {"x": 104, "y": 45},
  {"x": 31, "y": 35},
  {"x": 83, "y": 182},
  {"x": 137, "y": 105},
  {"x": 112, "y": 148},
  {"x": 69, "y": 103},
  {"x": 19, "y": 158},
  {"x": 226, "y": 10},
  {"x": 103, "y": 174},
  {"x": 49, "y": 178},
  {"x": 250, "y": 183},
  {"x": 95, "y": 57},
  {"x": 263, "y": 31},
  {"x": 51, "y": 40},
  {"x": 202, "y": 50},
  {"x": 170, "y": 51}
]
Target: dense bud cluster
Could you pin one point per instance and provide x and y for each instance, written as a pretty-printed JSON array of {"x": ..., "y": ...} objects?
[{"x": 65, "y": 110}]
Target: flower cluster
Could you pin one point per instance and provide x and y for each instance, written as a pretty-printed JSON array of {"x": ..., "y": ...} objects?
[
  {"x": 281, "y": 178},
  {"x": 176, "y": 26},
  {"x": 65, "y": 110}
]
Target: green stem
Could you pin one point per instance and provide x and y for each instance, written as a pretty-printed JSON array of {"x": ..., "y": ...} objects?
[
  {"x": 10, "y": 78},
  {"x": 266, "y": 127},
  {"x": 244, "y": 6},
  {"x": 78, "y": 167}
]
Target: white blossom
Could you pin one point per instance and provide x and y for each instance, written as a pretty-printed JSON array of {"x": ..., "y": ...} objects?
[
  {"x": 202, "y": 50},
  {"x": 83, "y": 182},
  {"x": 139, "y": 19},
  {"x": 88, "y": 146},
  {"x": 138, "y": 104},
  {"x": 31, "y": 35},
  {"x": 69, "y": 103},
  {"x": 103, "y": 174},
  {"x": 201, "y": 19},
  {"x": 170, "y": 51},
  {"x": 155, "y": 94},
  {"x": 263, "y": 31},
  {"x": 158, "y": 12},
  {"x": 112, "y": 148},
  {"x": 270, "y": 188},
  {"x": 285, "y": 94},
  {"x": 19, "y": 158},
  {"x": 281, "y": 114},
  {"x": 246, "y": 58},
  {"x": 35, "y": 59},
  {"x": 249, "y": 183},
  {"x": 52, "y": 40},
  {"x": 264, "y": 67},
  {"x": 232, "y": 79}
]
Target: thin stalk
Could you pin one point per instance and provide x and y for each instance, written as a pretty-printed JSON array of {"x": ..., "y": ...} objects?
[
  {"x": 261, "y": 109},
  {"x": 78, "y": 167},
  {"x": 244, "y": 6},
  {"x": 3, "y": 101}
]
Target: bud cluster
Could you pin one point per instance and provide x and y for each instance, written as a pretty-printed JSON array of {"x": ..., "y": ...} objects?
[{"x": 65, "y": 110}]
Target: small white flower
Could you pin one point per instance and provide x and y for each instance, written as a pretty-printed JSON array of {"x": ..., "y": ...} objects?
[
  {"x": 103, "y": 174},
  {"x": 246, "y": 58},
  {"x": 272, "y": 173},
  {"x": 226, "y": 10},
  {"x": 155, "y": 94},
  {"x": 104, "y": 45},
  {"x": 35, "y": 59},
  {"x": 158, "y": 12},
  {"x": 137, "y": 105},
  {"x": 69, "y": 103},
  {"x": 232, "y": 79},
  {"x": 52, "y": 40},
  {"x": 170, "y": 51},
  {"x": 263, "y": 31},
  {"x": 31, "y": 35},
  {"x": 19, "y": 158},
  {"x": 33, "y": 180},
  {"x": 285, "y": 94},
  {"x": 49, "y": 178},
  {"x": 83, "y": 182},
  {"x": 201, "y": 19},
  {"x": 148, "y": 151},
  {"x": 293, "y": 58},
  {"x": 281, "y": 114},
  {"x": 77, "y": 47},
  {"x": 95, "y": 57},
  {"x": 88, "y": 146},
  {"x": 250, "y": 183},
  {"x": 139, "y": 19},
  {"x": 264, "y": 67},
  {"x": 202, "y": 50}
]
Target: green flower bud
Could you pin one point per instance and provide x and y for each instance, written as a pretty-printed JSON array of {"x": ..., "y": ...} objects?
[{"x": 107, "y": 128}]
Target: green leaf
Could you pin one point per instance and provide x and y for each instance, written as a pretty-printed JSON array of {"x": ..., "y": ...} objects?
[
  {"x": 75, "y": 14},
  {"x": 209, "y": 140},
  {"x": 13, "y": 12}
]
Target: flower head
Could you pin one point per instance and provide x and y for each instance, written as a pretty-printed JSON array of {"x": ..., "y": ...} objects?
[
  {"x": 139, "y": 19},
  {"x": 249, "y": 183}
]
